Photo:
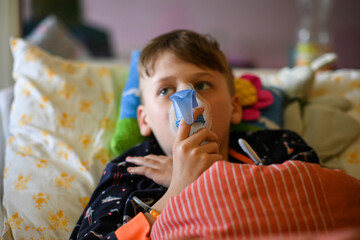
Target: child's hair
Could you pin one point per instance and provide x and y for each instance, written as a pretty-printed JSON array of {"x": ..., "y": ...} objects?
[{"x": 189, "y": 46}]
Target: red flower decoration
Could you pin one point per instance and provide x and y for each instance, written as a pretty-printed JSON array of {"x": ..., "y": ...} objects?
[{"x": 265, "y": 99}]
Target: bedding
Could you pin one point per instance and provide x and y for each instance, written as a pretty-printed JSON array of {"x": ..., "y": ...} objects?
[
  {"x": 6, "y": 98},
  {"x": 65, "y": 113},
  {"x": 241, "y": 201},
  {"x": 330, "y": 120},
  {"x": 61, "y": 123}
]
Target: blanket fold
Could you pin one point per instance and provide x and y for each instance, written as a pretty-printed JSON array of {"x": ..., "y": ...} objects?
[{"x": 232, "y": 201}]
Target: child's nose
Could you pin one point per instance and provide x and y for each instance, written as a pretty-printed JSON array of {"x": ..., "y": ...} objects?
[{"x": 184, "y": 86}]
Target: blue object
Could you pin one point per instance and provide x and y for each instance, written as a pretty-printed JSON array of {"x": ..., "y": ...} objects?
[
  {"x": 184, "y": 101},
  {"x": 131, "y": 95},
  {"x": 271, "y": 116}
]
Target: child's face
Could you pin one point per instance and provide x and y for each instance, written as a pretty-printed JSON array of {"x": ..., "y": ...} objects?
[{"x": 172, "y": 74}]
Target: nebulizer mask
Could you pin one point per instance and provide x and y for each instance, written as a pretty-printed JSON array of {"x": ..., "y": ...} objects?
[{"x": 183, "y": 103}]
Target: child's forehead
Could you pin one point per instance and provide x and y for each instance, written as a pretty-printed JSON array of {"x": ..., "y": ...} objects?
[
  {"x": 168, "y": 65},
  {"x": 166, "y": 57},
  {"x": 153, "y": 63},
  {"x": 168, "y": 62}
]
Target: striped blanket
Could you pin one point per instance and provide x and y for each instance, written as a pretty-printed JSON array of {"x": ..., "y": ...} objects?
[{"x": 232, "y": 201}]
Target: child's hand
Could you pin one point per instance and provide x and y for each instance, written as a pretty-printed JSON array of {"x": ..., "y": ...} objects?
[
  {"x": 193, "y": 155},
  {"x": 157, "y": 168}
]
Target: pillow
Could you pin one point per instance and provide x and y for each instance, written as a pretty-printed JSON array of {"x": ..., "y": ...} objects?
[
  {"x": 270, "y": 117},
  {"x": 242, "y": 201},
  {"x": 51, "y": 35},
  {"x": 61, "y": 123},
  {"x": 344, "y": 83},
  {"x": 127, "y": 132}
]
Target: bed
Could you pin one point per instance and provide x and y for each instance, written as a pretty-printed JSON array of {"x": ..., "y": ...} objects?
[{"x": 58, "y": 124}]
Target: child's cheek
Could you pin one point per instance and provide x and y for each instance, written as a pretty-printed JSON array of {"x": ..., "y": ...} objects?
[{"x": 207, "y": 112}]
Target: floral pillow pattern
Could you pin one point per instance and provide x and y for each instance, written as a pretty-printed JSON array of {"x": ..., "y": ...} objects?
[{"x": 61, "y": 122}]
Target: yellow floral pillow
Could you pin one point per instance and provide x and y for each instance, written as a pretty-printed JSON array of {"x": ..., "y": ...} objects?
[{"x": 62, "y": 119}]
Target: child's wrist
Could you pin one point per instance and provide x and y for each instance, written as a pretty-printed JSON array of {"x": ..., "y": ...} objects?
[{"x": 175, "y": 189}]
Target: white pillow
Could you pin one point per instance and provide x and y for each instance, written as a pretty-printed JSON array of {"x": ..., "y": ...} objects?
[{"x": 61, "y": 123}]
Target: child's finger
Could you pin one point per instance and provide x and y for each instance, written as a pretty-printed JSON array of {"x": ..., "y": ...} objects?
[
  {"x": 205, "y": 135},
  {"x": 210, "y": 147},
  {"x": 184, "y": 128},
  {"x": 141, "y": 161},
  {"x": 159, "y": 176},
  {"x": 148, "y": 161},
  {"x": 144, "y": 171}
]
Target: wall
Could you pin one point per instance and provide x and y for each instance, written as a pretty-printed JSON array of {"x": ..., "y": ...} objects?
[
  {"x": 9, "y": 26},
  {"x": 261, "y": 31}
]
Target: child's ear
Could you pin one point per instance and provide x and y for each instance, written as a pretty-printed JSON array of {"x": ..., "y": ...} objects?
[
  {"x": 236, "y": 114},
  {"x": 144, "y": 126}
]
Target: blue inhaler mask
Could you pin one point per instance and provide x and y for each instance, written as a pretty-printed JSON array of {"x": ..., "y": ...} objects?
[{"x": 183, "y": 102}]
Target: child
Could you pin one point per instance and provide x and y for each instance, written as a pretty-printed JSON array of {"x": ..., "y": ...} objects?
[{"x": 163, "y": 166}]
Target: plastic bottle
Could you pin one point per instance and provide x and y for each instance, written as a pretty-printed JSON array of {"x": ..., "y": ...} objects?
[
  {"x": 184, "y": 101},
  {"x": 313, "y": 37}
]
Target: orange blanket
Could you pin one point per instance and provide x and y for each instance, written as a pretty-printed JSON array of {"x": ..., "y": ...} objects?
[{"x": 240, "y": 200}]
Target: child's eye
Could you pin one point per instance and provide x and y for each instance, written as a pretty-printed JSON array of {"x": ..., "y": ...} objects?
[
  {"x": 166, "y": 91},
  {"x": 202, "y": 86}
]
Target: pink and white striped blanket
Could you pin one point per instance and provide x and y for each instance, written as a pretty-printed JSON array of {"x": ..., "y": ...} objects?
[{"x": 232, "y": 201}]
